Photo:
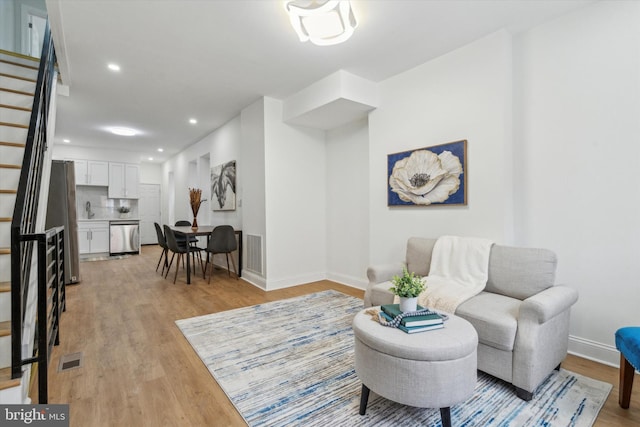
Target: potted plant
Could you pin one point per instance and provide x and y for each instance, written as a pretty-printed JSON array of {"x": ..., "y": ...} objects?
[
  {"x": 407, "y": 287},
  {"x": 124, "y": 211}
]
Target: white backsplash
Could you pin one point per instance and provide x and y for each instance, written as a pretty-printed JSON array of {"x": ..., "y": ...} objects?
[{"x": 102, "y": 207}]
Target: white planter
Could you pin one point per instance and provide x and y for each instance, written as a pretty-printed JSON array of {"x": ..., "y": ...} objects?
[{"x": 408, "y": 304}]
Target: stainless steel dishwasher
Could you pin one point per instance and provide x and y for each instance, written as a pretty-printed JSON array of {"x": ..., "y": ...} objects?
[{"x": 124, "y": 237}]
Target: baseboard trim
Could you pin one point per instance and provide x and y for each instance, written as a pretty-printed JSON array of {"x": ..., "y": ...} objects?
[
  {"x": 352, "y": 282},
  {"x": 595, "y": 351},
  {"x": 294, "y": 281},
  {"x": 254, "y": 279}
]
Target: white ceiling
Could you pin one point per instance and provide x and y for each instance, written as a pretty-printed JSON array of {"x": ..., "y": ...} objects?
[{"x": 209, "y": 59}]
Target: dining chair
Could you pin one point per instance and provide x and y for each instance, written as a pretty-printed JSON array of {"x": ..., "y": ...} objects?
[
  {"x": 162, "y": 242},
  {"x": 181, "y": 239},
  {"x": 179, "y": 249},
  {"x": 184, "y": 223},
  {"x": 628, "y": 343},
  {"x": 222, "y": 241}
]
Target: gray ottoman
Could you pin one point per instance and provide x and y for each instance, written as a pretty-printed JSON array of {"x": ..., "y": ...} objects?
[{"x": 432, "y": 369}]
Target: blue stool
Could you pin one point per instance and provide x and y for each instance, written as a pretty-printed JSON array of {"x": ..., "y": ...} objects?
[{"x": 628, "y": 343}]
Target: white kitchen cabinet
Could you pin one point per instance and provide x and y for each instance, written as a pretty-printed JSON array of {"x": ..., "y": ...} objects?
[
  {"x": 91, "y": 172},
  {"x": 124, "y": 179},
  {"x": 93, "y": 237}
]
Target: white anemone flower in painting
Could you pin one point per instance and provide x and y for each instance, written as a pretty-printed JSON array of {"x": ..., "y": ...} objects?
[{"x": 424, "y": 177}]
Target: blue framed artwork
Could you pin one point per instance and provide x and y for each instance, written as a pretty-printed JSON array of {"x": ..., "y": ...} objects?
[{"x": 428, "y": 176}]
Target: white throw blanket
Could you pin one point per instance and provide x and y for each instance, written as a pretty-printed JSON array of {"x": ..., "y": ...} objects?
[{"x": 459, "y": 270}]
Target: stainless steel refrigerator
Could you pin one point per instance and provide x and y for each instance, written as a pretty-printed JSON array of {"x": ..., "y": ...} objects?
[{"x": 61, "y": 210}]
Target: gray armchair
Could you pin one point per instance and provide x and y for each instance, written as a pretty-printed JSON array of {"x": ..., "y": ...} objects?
[{"x": 522, "y": 317}]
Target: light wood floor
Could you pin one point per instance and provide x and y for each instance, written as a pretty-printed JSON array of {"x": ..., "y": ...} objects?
[{"x": 138, "y": 369}]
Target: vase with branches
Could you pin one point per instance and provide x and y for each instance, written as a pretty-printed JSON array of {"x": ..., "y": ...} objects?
[{"x": 195, "y": 200}]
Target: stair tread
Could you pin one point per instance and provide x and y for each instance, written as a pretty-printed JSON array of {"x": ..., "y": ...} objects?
[
  {"x": 5, "y": 328},
  {"x": 2, "y": 191},
  {"x": 5, "y": 379},
  {"x": 5, "y": 251},
  {"x": 12, "y": 144},
  {"x": 18, "y": 64},
  {"x": 5, "y": 219},
  {"x": 13, "y": 107},
  {"x": 11, "y": 76},
  {"x": 19, "y": 92},
  {"x": 8, "y": 166},
  {"x": 14, "y": 125},
  {"x": 5, "y": 286}
]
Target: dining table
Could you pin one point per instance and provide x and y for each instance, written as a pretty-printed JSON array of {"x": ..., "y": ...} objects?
[{"x": 203, "y": 230}]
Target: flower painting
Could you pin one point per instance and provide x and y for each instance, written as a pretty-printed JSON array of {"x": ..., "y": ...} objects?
[
  {"x": 223, "y": 187},
  {"x": 428, "y": 176}
]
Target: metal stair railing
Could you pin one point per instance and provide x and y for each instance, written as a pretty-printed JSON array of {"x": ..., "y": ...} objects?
[{"x": 25, "y": 241}]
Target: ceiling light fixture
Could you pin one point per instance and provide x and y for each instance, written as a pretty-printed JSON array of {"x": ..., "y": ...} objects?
[
  {"x": 193, "y": 121},
  {"x": 150, "y": 159},
  {"x": 323, "y": 23},
  {"x": 160, "y": 150},
  {"x": 114, "y": 67},
  {"x": 66, "y": 141},
  {"x": 123, "y": 131}
]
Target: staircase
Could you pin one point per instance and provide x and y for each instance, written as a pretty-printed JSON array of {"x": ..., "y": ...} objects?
[{"x": 17, "y": 85}]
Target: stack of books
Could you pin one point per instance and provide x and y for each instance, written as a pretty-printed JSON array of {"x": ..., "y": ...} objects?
[{"x": 412, "y": 324}]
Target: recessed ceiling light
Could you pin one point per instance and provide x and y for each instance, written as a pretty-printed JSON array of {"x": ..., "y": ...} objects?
[
  {"x": 193, "y": 121},
  {"x": 123, "y": 131},
  {"x": 150, "y": 158},
  {"x": 66, "y": 141},
  {"x": 114, "y": 67},
  {"x": 160, "y": 150}
]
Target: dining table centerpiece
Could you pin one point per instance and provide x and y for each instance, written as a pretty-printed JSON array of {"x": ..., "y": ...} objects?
[{"x": 195, "y": 199}]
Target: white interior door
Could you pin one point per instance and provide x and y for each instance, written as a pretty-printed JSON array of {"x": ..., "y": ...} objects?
[
  {"x": 149, "y": 210},
  {"x": 37, "y": 27},
  {"x": 34, "y": 22}
]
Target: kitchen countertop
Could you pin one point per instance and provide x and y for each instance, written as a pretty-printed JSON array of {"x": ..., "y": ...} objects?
[{"x": 107, "y": 219}]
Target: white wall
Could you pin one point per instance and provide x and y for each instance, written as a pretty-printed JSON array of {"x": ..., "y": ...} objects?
[
  {"x": 253, "y": 172},
  {"x": 578, "y": 154},
  {"x": 66, "y": 151},
  {"x": 150, "y": 173},
  {"x": 219, "y": 146},
  {"x": 283, "y": 161},
  {"x": 465, "y": 94},
  {"x": 295, "y": 182},
  {"x": 7, "y": 34},
  {"x": 225, "y": 146},
  {"x": 347, "y": 207}
]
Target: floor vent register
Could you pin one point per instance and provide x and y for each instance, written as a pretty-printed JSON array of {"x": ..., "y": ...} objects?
[{"x": 70, "y": 361}]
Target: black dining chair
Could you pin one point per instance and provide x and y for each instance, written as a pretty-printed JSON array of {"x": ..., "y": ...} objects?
[
  {"x": 162, "y": 242},
  {"x": 181, "y": 239},
  {"x": 184, "y": 223},
  {"x": 179, "y": 249},
  {"x": 222, "y": 241}
]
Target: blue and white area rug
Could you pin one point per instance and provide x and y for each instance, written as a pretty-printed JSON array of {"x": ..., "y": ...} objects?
[{"x": 291, "y": 362}]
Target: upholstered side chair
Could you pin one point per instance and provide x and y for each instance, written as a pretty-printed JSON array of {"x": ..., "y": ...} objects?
[{"x": 628, "y": 343}]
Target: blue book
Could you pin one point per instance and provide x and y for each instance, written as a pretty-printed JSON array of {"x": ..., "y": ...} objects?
[
  {"x": 427, "y": 319},
  {"x": 410, "y": 329}
]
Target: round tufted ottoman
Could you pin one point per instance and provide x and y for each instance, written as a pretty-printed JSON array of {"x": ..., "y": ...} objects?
[{"x": 432, "y": 369}]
